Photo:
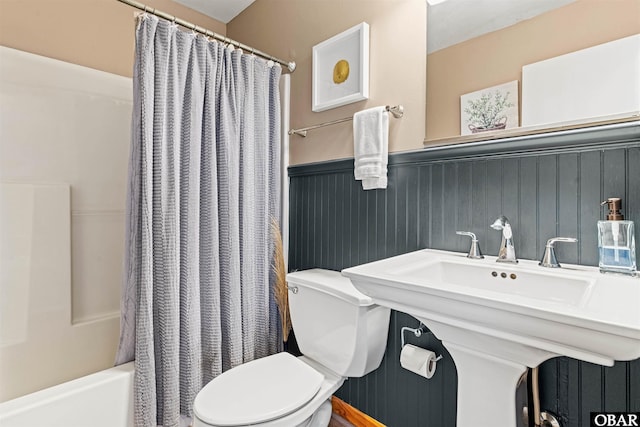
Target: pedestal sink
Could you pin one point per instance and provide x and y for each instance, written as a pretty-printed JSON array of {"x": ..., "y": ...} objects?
[{"x": 496, "y": 319}]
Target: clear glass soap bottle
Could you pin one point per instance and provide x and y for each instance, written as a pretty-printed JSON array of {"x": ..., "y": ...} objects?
[{"x": 616, "y": 241}]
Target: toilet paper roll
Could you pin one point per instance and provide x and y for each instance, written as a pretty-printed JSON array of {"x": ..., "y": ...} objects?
[{"x": 418, "y": 360}]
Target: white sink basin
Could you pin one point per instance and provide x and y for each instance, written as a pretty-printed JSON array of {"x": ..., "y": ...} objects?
[
  {"x": 497, "y": 319},
  {"x": 491, "y": 279}
]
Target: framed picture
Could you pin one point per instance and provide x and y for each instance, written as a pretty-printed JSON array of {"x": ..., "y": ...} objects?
[
  {"x": 341, "y": 69},
  {"x": 490, "y": 109}
]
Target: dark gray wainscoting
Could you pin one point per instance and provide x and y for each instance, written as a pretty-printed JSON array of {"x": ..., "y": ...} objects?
[{"x": 547, "y": 185}]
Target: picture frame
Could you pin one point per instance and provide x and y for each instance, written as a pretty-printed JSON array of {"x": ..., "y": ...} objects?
[
  {"x": 492, "y": 109},
  {"x": 340, "y": 72}
]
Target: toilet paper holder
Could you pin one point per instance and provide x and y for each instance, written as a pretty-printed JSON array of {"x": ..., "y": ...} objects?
[
  {"x": 417, "y": 332},
  {"x": 416, "y": 359}
]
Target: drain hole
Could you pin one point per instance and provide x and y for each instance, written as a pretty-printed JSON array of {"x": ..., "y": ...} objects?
[
  {"x": 513, "y": 276},
  {"x": 494, "y": 273},
  {"x": 503, "y": 275}
]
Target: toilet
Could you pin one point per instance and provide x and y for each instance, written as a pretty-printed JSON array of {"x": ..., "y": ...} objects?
[{"x": 341, "y": 334}]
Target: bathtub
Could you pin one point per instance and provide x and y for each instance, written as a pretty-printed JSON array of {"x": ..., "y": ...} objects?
[{"x": 103, "y": 399}]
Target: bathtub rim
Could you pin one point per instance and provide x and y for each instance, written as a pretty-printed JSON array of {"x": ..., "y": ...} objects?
[{"x": 13, "y": 407}]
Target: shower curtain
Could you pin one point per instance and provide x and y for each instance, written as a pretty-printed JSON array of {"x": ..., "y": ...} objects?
[{"x": 204, "y": 181}]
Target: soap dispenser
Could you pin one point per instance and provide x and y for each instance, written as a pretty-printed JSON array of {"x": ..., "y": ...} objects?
[{"x": 616, "y": 241}]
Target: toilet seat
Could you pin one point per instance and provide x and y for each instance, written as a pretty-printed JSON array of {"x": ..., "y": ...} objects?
[{"x": 258, "y": 391}]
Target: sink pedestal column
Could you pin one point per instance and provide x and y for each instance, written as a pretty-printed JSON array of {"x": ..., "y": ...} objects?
[
  {"x": 486, "y": 388},
  {"x": 489, "y": 365}
]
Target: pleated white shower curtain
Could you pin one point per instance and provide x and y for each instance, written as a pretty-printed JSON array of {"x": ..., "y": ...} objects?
[{"x": 204, "y": 180}]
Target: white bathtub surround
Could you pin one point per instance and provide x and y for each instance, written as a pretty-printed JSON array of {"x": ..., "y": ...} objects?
[
  {"x": 64, "y": 133},
  {"x": 16, "y": 243},
  {"x": 35, "y": 304},
  {"x": 204, "y": 182}
]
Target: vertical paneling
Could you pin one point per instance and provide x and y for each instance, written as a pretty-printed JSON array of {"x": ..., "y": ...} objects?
[
  {"x": 550, "y": 382},
  {"x": 424, "y": 206},
  {"x": 571, "y": 394},
  {"x": 294, "y": 226},
  {"x": 547, "y": 199},
  {"x": 391, "y": 216},
  {"x": 462, "y": 203},
  {"x": 493, "y": 205},
  {"x": 332, "y": 225},
  {"x": 305, "y": 229},
  {"x": 436, "y": 202},
  {"x": 589, "y": 184},
  {"x": 510, "y": 184},
  {"x": 354, "y": 225},
  {"x": 479, "y": 221},
  {"x": 335, "y": 224},
  {"x": 614, "y": 173},
  {"x": 568, "y": 214},
  {"x": 590, "y": 389},
  {"x": 363, "y": 221},
  {"x": 450, "y": 205},
  {"x": 322, "y": 233},
  {"x": 412, "y": 203},
  {"x": 634, "y": 386},
  {"x": 528, "y": 208},
  {"x": 341, "y": 219},
  {"x": 615, "y": 387},
  {"x": 402, "y": 209},
  {"x": 376, "y": 201},
  {"x": 567, "y": 408},
  {"x": 315, "y": 221}
]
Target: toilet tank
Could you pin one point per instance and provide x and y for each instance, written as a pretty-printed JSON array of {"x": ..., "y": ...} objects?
[{"x": 335, "y": 324}]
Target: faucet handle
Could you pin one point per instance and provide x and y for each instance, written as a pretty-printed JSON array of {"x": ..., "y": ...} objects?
[
  {"x": 474, "y": 250},
  {"x": 549, "y": 257}
]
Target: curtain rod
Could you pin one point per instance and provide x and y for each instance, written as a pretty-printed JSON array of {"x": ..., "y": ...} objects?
[
  {"x": 291, "y": 66},
  {"x": 397, "y": 112}
]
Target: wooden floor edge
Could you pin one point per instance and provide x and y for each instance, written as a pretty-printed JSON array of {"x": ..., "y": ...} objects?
[{"x": 353, "y": 415}]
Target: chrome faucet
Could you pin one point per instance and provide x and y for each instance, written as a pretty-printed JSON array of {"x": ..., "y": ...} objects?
[
  {"x": 507, "y": 252},
  {"x": 474, "y": 250},
  {"x": 549, "y": 257}
]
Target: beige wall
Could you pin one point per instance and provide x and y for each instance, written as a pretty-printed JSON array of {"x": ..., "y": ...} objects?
[
  {"x": 289, "y": 29},
  {"x": 95, "y": 33},
  {"x": 498, "y": 57}
]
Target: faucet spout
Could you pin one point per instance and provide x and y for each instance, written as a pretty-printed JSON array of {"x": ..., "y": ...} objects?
[{"x": 507, "y": 252}]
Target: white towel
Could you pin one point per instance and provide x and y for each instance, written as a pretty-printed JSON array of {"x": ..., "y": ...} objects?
[{"x": 371, "y": 147}]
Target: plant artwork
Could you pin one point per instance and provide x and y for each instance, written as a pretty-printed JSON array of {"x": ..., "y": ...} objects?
[
  {"x": 488, "y": 112},
  {"x": 490, "y": 109}
]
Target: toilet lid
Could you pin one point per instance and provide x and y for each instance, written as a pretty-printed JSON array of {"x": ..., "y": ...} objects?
[{"x": 258, "y": 391}]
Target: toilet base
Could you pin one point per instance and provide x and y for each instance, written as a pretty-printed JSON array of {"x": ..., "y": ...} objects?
[{"x": 322, "y": 416}]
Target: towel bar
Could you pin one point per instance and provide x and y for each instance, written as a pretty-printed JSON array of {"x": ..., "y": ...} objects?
[{"x": 397, "y": 112}]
